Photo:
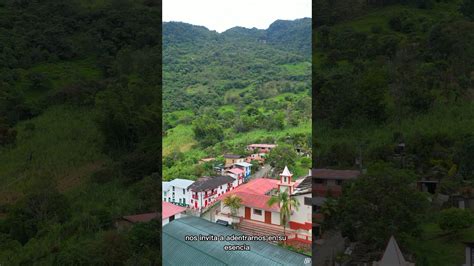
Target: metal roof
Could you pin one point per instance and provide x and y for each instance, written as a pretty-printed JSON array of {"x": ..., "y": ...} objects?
[
  {"x": 169, "y": 209},
  {"x": 392, "y": 255},
  {"x": 210, "y": 182},
  {"x": 335, "y": 174},
  {"x": 232, "y": 156},
  {"x": 286, "y": 172},
  {"x": 177, "y": 251},
  {"x": 244, "y": 164},
  {"x": 181, "y": 183},
  {"x": 166, "y": 186}
]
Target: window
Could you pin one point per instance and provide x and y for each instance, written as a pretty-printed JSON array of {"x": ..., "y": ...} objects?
[
  {"x": 173, "y": 188},
  {"x": 307, "y": 201},
  {"x": 257, "y": 212},
  {"x": 184, "y": 191},
  {"x": 171, "y": 218},
  {"x": 339, "y": 182},
  {"x": 184, "y": 200}
]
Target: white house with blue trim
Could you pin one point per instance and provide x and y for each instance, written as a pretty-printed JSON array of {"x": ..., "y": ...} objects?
[{"x": 246, "y": 167}]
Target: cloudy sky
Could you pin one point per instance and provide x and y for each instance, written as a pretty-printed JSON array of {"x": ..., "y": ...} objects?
[{"x": 221, "y": 15}]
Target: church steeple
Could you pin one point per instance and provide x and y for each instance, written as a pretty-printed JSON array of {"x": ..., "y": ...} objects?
[{"x": 285, "y": 181}]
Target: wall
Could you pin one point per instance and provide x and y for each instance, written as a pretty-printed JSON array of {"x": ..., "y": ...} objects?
[
  {"x": 303, "y": 215},
  {"x": 276, "y": 218},
  {"x": 179, "y": 195},
  {"x": 256, "y": 217}
]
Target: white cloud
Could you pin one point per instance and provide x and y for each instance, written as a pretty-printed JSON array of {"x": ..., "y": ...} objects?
[{"x": 221, "y": 15}]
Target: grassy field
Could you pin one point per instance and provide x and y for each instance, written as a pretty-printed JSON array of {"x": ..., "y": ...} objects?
[
  {"x": 52, "y": 146},
  {"x": 438, "y": 248},
  {"x": 451, "y": 121},
  {"x": 179, "y": 138},
  {"x": 297, "y": 69},
  {"x": 60, "y": 74}
]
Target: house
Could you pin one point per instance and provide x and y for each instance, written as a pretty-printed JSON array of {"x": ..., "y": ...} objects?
[
  {"x": 393, "y": 256},
  {"x": 165, "y": 186},
  {"x": 181, "y": 248},
  {"x": 246, "y": 167},
  {"x": 206, "y": 189},
  {"x": 260, "y": 158},
  {"x": 469, "y": 253},
  {"x": 126, "y": 222},
  {"x": 329, "y": 181},
  {"x": 261, "y": 148},
  {"x": 326, "y": 182},
  {"x": 231, "y": 159},
  {"x": 237, "y": 174},
  {"x": 170, "y": 212},
  {"x": 463, "y": 201},
  {"x": 427, "y": 185},
  {"x": 257, "y": 216},
  {"x": 177, "y": 191}
]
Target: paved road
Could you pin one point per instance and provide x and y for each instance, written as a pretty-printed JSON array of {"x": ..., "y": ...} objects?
[{"x": 263, "y": 171}]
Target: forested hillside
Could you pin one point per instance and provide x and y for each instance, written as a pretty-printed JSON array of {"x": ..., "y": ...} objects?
[
  {"x": 223, "y": 91},
  {"x": 80, "y": 104},
  {"x": 394, "y": 95}
]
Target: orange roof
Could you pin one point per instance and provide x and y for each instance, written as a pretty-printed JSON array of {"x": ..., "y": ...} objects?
[
  {"x": 236, "y": 171},
  {"x": 170, "y": 209},
  {"x": 253, "y": 193}
]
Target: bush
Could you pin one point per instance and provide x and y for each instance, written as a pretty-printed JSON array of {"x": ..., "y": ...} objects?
[{"x": 453, "y": 220}]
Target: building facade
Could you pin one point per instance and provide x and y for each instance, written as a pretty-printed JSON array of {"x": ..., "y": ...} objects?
[
  {"x": 176, "y": 192},
  {"x": 205, "y": 190},
  {"x": 255, "y": 196}
]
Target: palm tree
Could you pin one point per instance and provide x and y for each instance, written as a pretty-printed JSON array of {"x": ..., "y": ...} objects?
[
  {"x": 286, "y": 204},
  {"x": 234, "y": 203}
]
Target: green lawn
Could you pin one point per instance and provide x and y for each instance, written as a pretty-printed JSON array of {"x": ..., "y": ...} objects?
[
  {"x": 440, "y": 249},
  {"x": 51, "y": 146},
  {"x": 298, "y": 69},
  {"x": 179, "y": 138},
  {"x": 60, "y": 74}
]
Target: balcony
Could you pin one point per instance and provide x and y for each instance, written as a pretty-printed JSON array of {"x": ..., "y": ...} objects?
[{"x": 210, "y": 194}]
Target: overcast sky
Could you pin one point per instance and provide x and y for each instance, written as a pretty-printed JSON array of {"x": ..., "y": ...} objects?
[{"x": 221, "y": 15}]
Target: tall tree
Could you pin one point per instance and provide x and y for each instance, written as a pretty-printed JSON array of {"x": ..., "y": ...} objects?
[
  {"x": 233, "y": 202},
  {"x": 286, "y": 203}
]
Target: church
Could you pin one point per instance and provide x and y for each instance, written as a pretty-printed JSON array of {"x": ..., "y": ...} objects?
[{"x": 256, "y": 216}]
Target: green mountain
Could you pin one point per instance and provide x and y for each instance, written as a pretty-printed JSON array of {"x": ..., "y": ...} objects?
[
  {"x": 245, "y": 84},
  {"x": 393, "y": 92},
  {"x": 79, "y": 112}
]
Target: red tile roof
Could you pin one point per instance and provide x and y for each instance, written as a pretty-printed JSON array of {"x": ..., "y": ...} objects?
[
  {"x": 256, "y": 201},
  {"x": 170, "y": 209},
  {"x": 145, "y": 217},
  {"x": 253, "y": 193},
  {"x": 335, "y": 174},
  {"x": 236, "y": 171}
]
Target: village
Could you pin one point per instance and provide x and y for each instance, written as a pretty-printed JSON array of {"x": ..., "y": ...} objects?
[{"x": 283, "y": 214}]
